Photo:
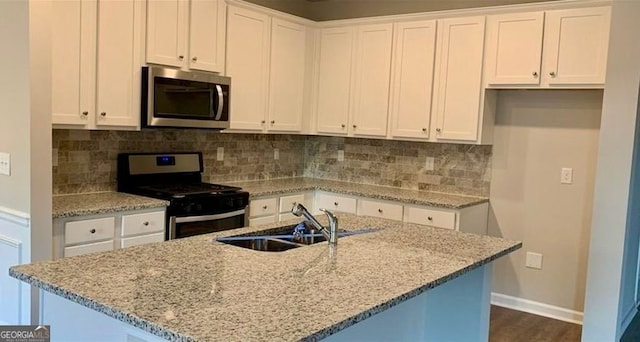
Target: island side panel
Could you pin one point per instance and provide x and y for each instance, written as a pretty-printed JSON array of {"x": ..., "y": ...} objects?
[
  {"x": 457, "y": 310},
  {"x": 72, "y": 322}
]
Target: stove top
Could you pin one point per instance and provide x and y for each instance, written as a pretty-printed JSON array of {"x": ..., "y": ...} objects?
[{"x": 181, "y": 190}]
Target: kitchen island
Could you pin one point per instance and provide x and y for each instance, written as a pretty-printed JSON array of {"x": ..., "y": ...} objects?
[{"x": 412, "y": 281}]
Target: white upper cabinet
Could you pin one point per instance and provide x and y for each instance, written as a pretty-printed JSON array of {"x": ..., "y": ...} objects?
[
  {"x": 248, "y": 66},
  {"x": 457, "y": 80},
  {"x": 371, "y": 80},
  {"x": 97, "y": 55},
  {"x": 561, "y": 48},
  {"x": 334, "y": 80},
  {"x": 412, "y": 79},
  {"x": 514, "y": 48},
  {"x": 575, "y": 46},
  {"x": 287, "y": 79},
  {"x": 187, "y": 34}
]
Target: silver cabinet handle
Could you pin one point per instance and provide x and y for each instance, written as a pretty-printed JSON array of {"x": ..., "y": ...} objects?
[
  {"x": 552, "y": 74},
  {"x": 194, "y": 59},
  {"x": 180, "y": 57},
  {"x": 92, "y": 231},
  {"x": 220, "y": 102},
  {"x": 535, "y": 74}
]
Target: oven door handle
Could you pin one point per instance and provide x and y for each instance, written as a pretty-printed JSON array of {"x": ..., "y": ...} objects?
[{"x": 209, "y": 217}]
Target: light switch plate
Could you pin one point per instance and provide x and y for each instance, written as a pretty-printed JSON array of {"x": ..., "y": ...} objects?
[
  {"x": 5, "y": 164},
  {"x": 428, "y": 165},
  {"x": 220, "y": 154},
  {"x": 276, "y": 153},
  {"x": 340, "y": 155},
  {"x": 566, "y": 175},
  {"x": 534, "y": 260}
]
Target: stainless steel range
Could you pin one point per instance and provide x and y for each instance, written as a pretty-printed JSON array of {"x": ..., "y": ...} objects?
[{"x": 195, "y": 207}]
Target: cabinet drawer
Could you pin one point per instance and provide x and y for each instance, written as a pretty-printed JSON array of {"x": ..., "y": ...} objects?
[
  {"x": 430, "y": 217},
  {"x": 89, "y": 230},
  {"x": 103, "y": 246},
  {"x": 380, "y": 209},
  {"x": 262, "y": 220},
  {"x": 337, "y": 203},
  {"x": 141, "y": 240},
  {"x": 263, "y": 206},
  {"x": 287, "y": 202},
  {"x": 287, "y": 217},
  {"x": 143, "y": 223}
]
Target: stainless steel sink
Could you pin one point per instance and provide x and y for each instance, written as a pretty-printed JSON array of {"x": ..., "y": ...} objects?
[{"x": 282, "y": 238}]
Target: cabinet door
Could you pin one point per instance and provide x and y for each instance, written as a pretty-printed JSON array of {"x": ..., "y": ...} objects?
[
  {"x": 72, "y": 62},
  {"x": 207, "y": 33},
  {"x": 576, "y": 43},
  {"x": 412, "y": 79},
  {"x": 371, "y": 88},
  {"x": 334, "y": 80},
  {"x": 457, "y": 82},
  {"x": 286, "y": 86},
  {"x": 166, "y": 32},
  {"x": 514, "y": 48},
  {"x": 248, "y": 67},
  {"x": 119, "y": 60}
]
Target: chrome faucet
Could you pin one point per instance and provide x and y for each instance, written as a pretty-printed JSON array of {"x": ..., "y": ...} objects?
[{"x": 331, "y": 234}]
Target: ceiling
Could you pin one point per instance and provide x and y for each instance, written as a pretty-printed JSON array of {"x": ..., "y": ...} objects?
[{"x": 320, "y": 10}]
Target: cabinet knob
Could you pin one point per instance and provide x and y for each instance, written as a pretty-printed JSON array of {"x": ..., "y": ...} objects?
[
  {"x": 438, "y": 130},
  {"x": 92, "y": 231},
  {"x": 535, "y": 74},
  {"x": 103, "y": 114},
  {"x": 343, "y": 125},
  {"x": 194, "y": 59},
  {"x": 264, "y": 207},
  {"x": 85, "y": 113},
  {"x": 424, "y": 129},
  {"x": 429, "y": 218},
  {"x": 335, "y": 204},
  {"x": 273, "y": 122},
  {"x": 146, "y": 223},
  {"x": 380, "y": 211},
  {"x": 180, "y": 57},
  {"x": 263, "y": 122},
  {"x": 354, "y": 126},
  {"x": 552, "y": 74},
  {"x": 293, "y": 204}
]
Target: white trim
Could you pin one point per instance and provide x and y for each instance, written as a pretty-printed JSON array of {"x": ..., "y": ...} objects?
[
  {"x": 628, "y": 317},
  {"x": 17, "y": 245},
  {"x": 14, "y": 216},
  {"x": 537, "y": 308}
]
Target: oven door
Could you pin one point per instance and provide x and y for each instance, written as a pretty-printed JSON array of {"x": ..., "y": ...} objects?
[{"x": 184, "y": 226}]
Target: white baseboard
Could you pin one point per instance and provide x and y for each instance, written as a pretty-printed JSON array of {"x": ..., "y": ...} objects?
[{"x": 537, "y": 308}]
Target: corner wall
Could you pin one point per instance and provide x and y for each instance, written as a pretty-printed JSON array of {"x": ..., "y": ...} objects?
[{"x": 536, "y": 134}]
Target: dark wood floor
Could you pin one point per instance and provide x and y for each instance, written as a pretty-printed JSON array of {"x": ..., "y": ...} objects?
[{"x": 511, "y": 326}]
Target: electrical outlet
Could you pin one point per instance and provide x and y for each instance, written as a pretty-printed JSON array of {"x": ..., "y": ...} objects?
[
  {"x": 534, "y": 260},
  {"x": 220, "y": 154},
  {"x": 566, "y": 175},
  {"x": 428, "y": 165},
  {"x": 276, "y": 153},
  {"x": 5, "y": 164},
  {"x": 54, "y": 157},
  {"x": 340, "y": 155}
]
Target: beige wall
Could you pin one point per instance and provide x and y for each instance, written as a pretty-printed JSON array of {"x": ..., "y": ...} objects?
[
  {"x": 14, "y": 103},
  {"x": 536, "y": 134}
]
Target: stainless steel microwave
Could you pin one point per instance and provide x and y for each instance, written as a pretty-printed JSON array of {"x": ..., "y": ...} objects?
[{"x": 176, "y": 98}]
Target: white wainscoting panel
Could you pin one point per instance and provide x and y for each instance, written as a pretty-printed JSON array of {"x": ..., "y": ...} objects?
[{"x": 15, "y": 303}]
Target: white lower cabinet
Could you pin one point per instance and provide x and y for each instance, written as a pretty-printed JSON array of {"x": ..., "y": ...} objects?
[
  {"x": 430, "y": 217},
  {"x": 333, "y": 202},
  {"x": 386, "y": 210},
  {"x": 262, "y": 211},
  {"x": 100, "y": 233},
  {"x": 273, "y": 209},
  {"x": 472, "y": 219}
]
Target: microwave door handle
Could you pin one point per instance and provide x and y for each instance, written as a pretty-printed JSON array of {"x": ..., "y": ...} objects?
[{"x": 220, "y": 102}]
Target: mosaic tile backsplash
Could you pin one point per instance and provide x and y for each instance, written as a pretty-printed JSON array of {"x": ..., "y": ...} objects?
[{"x": 87, "y": 159}]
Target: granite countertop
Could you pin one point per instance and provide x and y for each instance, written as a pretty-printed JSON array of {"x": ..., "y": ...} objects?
[
  {"x": 196, "y": 289},
  {"x": 101, "y": 203},
  {"x": 288, "y": 185}
]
